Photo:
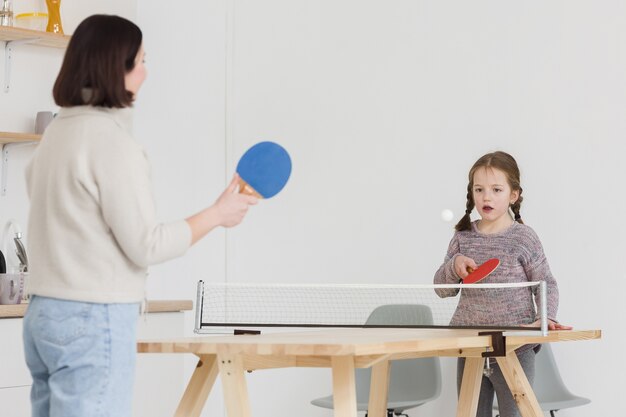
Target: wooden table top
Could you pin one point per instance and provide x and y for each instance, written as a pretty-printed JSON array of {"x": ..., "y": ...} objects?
[{"x": 337, "y": 342}]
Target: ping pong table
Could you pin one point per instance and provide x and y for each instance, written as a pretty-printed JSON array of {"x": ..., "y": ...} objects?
[{"x": 343, "y": 350}]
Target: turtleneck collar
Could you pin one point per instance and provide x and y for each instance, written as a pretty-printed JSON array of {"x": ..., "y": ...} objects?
[{"x": 123, "y": 117}]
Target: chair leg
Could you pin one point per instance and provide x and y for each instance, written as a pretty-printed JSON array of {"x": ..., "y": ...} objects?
[
  {"x": 390, "y": 414},
  {"x": 552, "y": 413}
]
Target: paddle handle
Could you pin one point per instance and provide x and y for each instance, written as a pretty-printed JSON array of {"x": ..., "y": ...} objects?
[{"x": 244, "y": 188}]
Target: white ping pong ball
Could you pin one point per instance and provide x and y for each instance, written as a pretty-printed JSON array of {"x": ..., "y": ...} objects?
[{"x": 447, "y": 215}]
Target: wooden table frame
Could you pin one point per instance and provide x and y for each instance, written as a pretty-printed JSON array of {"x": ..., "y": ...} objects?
[{"x": 343, "y": 350}]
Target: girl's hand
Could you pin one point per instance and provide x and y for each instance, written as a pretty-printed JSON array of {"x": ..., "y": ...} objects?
[
  {"x": 552, "y": 325},
  {"x": 461, "y": 263},
  {"x": 232, "y": 206}
]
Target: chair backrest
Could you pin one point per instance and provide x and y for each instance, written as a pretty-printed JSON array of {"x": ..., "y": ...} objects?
[
  {"x": 551, "y": 392},
  {"x": 401, "y": 315},
  {"x": 411, "y": 380},
  {"x": 548, "y": 384}
]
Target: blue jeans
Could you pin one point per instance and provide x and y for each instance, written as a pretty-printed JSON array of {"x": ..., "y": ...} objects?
[{"x": 81, "y": 357}]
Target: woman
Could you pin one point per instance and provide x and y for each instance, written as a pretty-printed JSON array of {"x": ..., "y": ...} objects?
[{"x": 93, "y": 229}]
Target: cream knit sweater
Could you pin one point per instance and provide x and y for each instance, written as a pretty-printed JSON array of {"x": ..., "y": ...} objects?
[{"x": 92, "y": 228}]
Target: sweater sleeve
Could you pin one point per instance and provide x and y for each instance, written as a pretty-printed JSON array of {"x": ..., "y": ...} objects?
[
  {"x": 537, "y": 269},
  {"x": 124, "y": 189},
  {"x": 446, "y": 273}
]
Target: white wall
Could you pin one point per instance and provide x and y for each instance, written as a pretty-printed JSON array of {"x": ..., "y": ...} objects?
[{"x": 384, "y": 106}]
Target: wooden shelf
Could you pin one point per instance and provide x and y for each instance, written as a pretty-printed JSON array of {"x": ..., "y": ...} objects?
[
  {"x": 153, "y": 306},
  {"x": 52, "y": 40},
  {"x": 11, "y": 137}
]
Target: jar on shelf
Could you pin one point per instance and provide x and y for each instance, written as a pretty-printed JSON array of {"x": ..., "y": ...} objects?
[{"x": 6, "y": 13}]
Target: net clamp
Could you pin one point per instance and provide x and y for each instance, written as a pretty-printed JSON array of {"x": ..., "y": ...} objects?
[
  {"x": 498, "y": 342},
  {"x": 237, "y": 332}
]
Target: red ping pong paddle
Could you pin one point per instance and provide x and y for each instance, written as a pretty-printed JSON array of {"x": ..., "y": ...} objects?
[{"x": 480, "y": 273}]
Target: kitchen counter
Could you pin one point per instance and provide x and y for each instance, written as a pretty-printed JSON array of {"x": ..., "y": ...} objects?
[{"x": 154, "y": 306}]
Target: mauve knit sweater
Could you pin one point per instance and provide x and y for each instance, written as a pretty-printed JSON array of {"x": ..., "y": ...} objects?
[{"x": 521, "y": 259}]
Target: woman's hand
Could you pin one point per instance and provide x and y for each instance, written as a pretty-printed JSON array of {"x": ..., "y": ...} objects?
[
  {"x": 228, "y": 211},
  {"x": 232, "y": 206},
  {"x": 461, "y": 263}
]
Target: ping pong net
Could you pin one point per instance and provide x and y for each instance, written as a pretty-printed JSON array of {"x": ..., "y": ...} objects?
[{"x": 223, "y": 307}]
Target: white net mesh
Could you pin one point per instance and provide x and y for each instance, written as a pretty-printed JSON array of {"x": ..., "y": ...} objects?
[{"x": 346, "y": 305}]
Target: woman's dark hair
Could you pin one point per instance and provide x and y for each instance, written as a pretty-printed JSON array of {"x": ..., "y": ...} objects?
[
  {"x": 505, "y": 163},
  {"x": 100, "y": 53}
]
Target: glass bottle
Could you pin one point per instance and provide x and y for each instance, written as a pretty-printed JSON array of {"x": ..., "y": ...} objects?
[
  {"x": 6, "y": 13},
  {"x": 54, "y": 16}
]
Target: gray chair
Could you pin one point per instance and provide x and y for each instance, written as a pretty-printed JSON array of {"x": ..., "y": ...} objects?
[
  {"x": 549, "y": 388},
  {"x": 412, "y": 382}
]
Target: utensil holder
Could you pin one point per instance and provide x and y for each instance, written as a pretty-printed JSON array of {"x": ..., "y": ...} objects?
[{"x": 12, "y": 288}]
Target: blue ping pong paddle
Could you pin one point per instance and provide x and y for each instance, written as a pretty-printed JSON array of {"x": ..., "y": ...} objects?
[{"x": 264, "y": 170}]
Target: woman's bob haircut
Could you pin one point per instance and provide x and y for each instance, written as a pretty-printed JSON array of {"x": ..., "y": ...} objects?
[{"x": 100, "y": 53}]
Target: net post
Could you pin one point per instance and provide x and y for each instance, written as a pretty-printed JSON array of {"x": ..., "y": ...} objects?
[
  {"x": 199, "y": 296},
  {"x": 543, "y": 289}
]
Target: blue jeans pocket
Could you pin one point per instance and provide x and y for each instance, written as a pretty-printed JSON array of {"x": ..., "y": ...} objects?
[{"x": 63, "y": 322}]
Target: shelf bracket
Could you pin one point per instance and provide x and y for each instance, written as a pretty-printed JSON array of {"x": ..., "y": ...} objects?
[
  {"x": 5, "y": 162},
  {"x": 8, "y": 55}
]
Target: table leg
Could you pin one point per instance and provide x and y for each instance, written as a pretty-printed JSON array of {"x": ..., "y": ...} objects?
[
  {"x": 379, "y": 388},
  {"x": 344, "y": 388},
  {"x": 199, "y": 387},
  {"x": 470, "y": 387},
  {"x": 520, "y": 387},
  {"x": 234, "y": 385}
]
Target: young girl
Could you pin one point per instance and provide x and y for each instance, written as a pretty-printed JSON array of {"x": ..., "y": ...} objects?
[
  {"x": 93, "y": 229},
  {"x": 494, "y": 190}
]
